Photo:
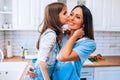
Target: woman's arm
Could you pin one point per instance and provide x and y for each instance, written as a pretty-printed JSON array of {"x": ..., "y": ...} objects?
[
  {"x": 66, "y": 53},
  {"x": 43, "y": 67},
  {"x": 30, "y": 70}
]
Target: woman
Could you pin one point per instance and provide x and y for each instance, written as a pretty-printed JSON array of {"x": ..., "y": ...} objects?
[{"x": 77, "y": 48}]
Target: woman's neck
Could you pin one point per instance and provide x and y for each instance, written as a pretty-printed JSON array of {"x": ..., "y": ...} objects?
[{"x": 71, "y": 33}]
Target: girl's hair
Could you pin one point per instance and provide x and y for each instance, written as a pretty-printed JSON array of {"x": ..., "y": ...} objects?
[
  {"x": 52, "y": 21},
  {"x": 88, "y": 21}
]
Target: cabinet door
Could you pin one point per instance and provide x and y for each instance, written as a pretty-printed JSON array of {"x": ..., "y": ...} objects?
[
  {"x": 98, "y": 10},
  {"x": 43, "y": 4},
  {"x": 105, "y": 14},
  {"x": 107, "y": 73},
  {"x": 24, "y": 14},
  {"x": 113, "y": 15}
]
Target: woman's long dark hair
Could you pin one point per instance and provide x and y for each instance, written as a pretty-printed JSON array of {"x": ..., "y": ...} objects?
[
  {"x": 88, "y": 21},
  {"x": 51, "y": 20}
]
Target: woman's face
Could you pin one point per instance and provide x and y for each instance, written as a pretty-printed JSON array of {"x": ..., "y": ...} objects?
[
  {"x": 63, "y": 16},
  {"x": 75, "y": 20}
]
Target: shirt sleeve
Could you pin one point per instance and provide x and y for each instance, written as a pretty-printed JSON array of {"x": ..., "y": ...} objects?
[
  {"x": 46, "y": 45},
  {"x": 85, "y": 49}
]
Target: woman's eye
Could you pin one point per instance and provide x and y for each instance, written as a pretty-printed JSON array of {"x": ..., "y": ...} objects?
[{"x": 78, "y": 17}]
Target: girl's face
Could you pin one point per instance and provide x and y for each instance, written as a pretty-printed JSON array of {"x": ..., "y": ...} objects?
[
  {"x": 75, "y": 20},
  {"x": 63, "y": 15}
]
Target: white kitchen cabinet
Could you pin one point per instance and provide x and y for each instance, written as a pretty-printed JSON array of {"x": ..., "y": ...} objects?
[
  {"x": 98, "y": 11},
  {"x": 5, "y": 14},
  {"x": 105, "y": 14},
  {"x": 43, "y": 4},
  {"x": 107, "y": 73},
  {"x": 26, "y": 14},
  {"x": 19, "y": 14},
  {"x": 113, "y": 15},
  {"x": 87, "y": 73}
]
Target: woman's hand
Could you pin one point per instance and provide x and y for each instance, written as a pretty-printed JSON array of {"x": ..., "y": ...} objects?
[
  {"x": 30, "y": 71},
  {"x": 66, "y": 53},
  {"x": 79, "y": 33}
]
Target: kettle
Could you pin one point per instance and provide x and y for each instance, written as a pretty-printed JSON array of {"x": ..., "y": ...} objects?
[{"x": 1, "y": 56}]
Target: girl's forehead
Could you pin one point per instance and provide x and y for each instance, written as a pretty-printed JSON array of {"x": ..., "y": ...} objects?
[{"x": 64, "y": 8}]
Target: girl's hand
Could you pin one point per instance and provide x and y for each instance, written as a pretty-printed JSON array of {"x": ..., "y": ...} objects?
[
  {"x": 30, "y": 71},
  {"x": 79, "y": 33}
]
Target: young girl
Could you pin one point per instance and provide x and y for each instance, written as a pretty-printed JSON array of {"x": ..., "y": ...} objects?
[{"x": 50, "y": 38}]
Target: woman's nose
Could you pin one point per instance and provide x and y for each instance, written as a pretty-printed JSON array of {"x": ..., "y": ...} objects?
[{"x": 71, "y": 18}]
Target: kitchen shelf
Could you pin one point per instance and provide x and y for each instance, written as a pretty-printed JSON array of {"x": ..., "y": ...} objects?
[{"x": 5, "y": 12}]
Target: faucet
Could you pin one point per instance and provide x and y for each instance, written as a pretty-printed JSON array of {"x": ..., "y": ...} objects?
[{"x": 2, "y": 56}]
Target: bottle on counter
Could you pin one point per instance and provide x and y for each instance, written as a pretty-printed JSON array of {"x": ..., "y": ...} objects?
[
  {"x": 24, "y": 52},
  {"x": 9, "y": 50}
]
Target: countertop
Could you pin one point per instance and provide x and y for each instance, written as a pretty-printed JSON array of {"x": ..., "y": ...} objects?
[{"x": 109, "y": 61}]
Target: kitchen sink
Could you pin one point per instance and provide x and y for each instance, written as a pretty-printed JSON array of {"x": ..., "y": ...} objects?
[{"x": 11, "y": 70}]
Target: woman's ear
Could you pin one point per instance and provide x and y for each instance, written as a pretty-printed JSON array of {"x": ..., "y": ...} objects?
[{"x": 82, "y": 26}]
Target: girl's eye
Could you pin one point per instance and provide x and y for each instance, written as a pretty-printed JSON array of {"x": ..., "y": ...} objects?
[
  {"x": 71, "y": 14},
  {"x": 65, "y": 13}
]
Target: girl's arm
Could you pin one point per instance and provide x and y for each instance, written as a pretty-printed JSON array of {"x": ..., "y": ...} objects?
[
  {"x": 43, "y": 67},
  {"x": 46, "y": 45},
  {"x": 66, "y": 53}
]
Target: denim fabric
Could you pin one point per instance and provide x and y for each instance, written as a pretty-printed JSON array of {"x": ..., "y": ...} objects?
[{"x": 50, "y": 63}]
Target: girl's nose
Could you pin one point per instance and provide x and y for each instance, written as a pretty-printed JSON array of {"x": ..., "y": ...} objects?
[{"x": 67, "y": 15}]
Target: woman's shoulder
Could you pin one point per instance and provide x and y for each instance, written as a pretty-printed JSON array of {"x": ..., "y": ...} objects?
[
  {"x": 90, "y": 43},
  {"x": 87, "y": 41}
]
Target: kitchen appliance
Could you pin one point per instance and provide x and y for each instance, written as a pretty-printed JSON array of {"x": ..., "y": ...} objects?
[{"x": 87, "y": 73}]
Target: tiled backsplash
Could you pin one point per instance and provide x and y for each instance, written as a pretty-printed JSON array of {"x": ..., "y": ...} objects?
[
  {"x": 108, "y": 43},
  {"x": 17, "y": 39}
]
